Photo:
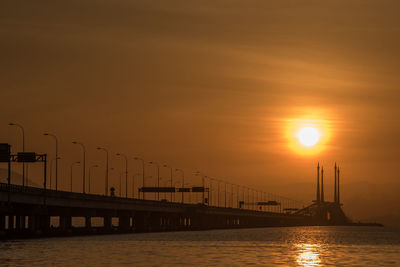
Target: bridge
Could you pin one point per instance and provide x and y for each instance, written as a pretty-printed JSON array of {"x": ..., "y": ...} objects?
[{"x": 27, "y": 211}]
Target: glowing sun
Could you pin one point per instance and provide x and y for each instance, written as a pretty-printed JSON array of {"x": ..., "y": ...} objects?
[{"x": 308, "y": 136}]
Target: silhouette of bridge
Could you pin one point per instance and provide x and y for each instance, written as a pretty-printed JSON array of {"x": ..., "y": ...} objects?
[{"x": 27, "y": 211}]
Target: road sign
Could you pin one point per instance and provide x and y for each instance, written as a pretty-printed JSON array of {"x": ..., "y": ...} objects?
[
  {"x": 268, "y": 203},
  {"x": 198, "y": 189},
  {"x": 26, "y": 157},
  {"x": 157, "y": 189},
  {"x": 183, "y": 189}
]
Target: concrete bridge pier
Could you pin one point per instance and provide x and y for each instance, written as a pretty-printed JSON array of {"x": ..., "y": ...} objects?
[
  {"x": 198, "y": 222},
  {"x": 38, "y": 223},
  {"x": 141, "y": 220},
  {"x": 183, "y": 222},
  {"x": 155, "y": 222},
  {"x": 171, "y": 223},
  {"x": 164, "y": 222},
  {"x": 107, "y": 222},
  {"x": 219, "y": 221},
  {"x": 2, "y": 222},
  {"x": 32, "y": 223},
  {"x": 124, "y": 223},
  {"x": 174, "y": 223},
  {"x": 244, "y": 221},
  {"x": 65, "y": 223},
  {"x": 180, "y": 222},
  {"x": 19, "y": 222},
  {"x": 10, "y": 222},
  {"x": 88, "y": 222},
  {"x": 44, "y": 222}
]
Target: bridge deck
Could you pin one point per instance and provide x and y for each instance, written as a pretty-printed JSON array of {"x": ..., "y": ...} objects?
[{"x": 37, "y": 205}]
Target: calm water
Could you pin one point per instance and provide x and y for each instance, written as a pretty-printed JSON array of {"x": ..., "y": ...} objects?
[{"x": 298, "y": 246}]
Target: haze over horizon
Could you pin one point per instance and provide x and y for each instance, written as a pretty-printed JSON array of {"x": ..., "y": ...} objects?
[{"x": 216, "y": 86}]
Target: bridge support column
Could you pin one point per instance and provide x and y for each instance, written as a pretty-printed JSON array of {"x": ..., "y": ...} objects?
[
  {"x": 107, "y": 222},
  {"x": 10, "y": 222},
  {"x": 32, "y": 223},
  {"x": 65, "y": 222},
  {"x": 2, "y": 222},
  {"x": 155, "y": 222},
  {"x": 124, "y": 223},
  {"x": 88, "y": 222},
  {"x": 44, "y": 222},
  {"x": 197, "y": 222},
  {"x": 141, "y": 222},
  {"x": 23, "y": 222},
  {"x": 19, "y": 222},
  {"x": 174, "y": 222}
]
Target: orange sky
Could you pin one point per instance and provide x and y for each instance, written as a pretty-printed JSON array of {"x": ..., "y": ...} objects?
[{"x": 213, "y": 85}]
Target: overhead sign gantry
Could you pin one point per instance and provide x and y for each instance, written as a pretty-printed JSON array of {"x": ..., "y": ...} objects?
[{"x": 29, "y": 157}]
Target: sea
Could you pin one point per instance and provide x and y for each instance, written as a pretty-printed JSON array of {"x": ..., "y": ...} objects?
[{"x": 286, "y": 246}]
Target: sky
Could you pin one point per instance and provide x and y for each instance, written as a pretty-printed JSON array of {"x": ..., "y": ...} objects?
[{"x": 216, "y": 86}]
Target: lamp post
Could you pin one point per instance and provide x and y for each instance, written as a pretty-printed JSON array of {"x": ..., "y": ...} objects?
[
  {"x": 90, "y": 171},
  {"x": 120, "y": 184},
  {"x": 202, "y": 180},
  {"x": 72, "y": 165},
  {"x": 218, "y": 181},
  {"x": 253, "y": 199},
  {"x": 133, "y": 185},
  {"x": 232, "y": 195},
  {"x": 142, "y": 160},
  {"x": 225, "y": 194},
  {"x": 158, "y": 177},
  {"x": 111, "y": 170},
  {"x": 183, "y": 183},
  {"x": 126, "y": 172},
  {"x": 84, "y": 165},
  {"x": 51, "y": 169},
  {"x": 23, "y": 148},
  {"x": 166, "y": 166},
  {"x": 210, "y": 188},
  {"x": 243, "y": 196},
  {"x": 210, "y": 197},
  {"x": 57, "y": 158},
  {"x": 106, "y": 178}
]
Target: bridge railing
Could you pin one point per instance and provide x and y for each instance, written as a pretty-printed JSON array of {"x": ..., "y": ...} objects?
[{"x": 18, "y": 188}]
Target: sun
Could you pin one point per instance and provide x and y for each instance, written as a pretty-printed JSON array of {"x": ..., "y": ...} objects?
[{"x": 308, "y": 136}]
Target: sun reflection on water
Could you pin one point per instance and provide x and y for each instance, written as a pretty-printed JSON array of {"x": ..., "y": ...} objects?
[{"x": 308, "y": 255}]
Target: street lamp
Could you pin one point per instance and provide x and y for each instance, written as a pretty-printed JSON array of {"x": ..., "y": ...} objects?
[
  {"x": 111, "y": 184},
  {"x": 106, "y": 180},
  {"x": 183, "y": 183},
  {"x": 133, "y": 185},
  {"x": 142, "y": 160},
  {"x": 158, "y": 177},
  {"x": 57, "y": 158},
  {"x": 120, "y": 184},
  {"x": 202, "y": 179},
  {"x": 77, "y": 162},
  {"x": 232, "y": 195},
  {"x": 51, "y": 169},
  {"x": 210, "y": 190},
  {"x": 23, "y": 148},
  {"x": 166, "y": 166},
  {"x": 90, "y": 169},
  {"x": 84, "y": 164},
  {"x": 218, "y": 181},
  {"x": 126, "y": 172},
  {"x": 225, "y": 194}
]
